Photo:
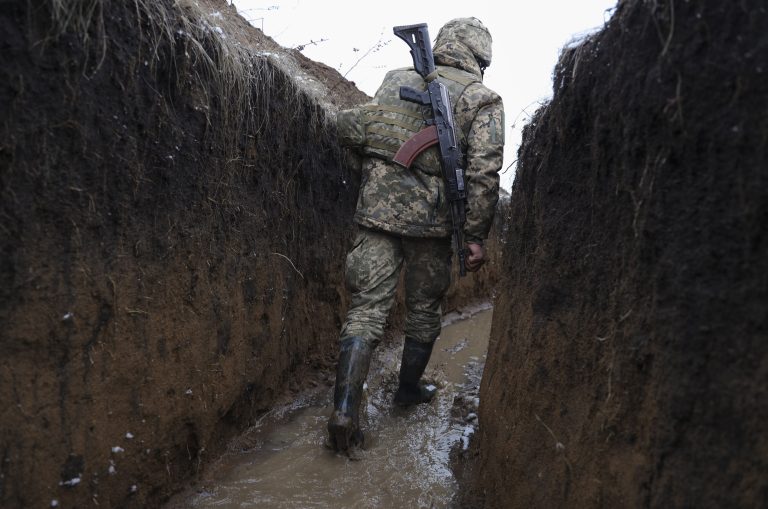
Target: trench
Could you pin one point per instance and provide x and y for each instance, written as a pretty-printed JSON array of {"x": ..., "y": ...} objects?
[
  {"x": 153, "y": 232},
  {"x": 282, "y": 461}
]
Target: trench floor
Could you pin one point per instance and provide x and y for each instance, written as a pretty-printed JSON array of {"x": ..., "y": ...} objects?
[{"x": 406, "y": 461}]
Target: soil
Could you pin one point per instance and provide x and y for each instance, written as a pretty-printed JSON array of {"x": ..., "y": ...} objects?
[
  {"x": 157, "y": 293},
  {"x": 172, "y": 242},
  {"x": 628, "y": 363}
]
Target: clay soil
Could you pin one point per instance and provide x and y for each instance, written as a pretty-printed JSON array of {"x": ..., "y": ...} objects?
[{"x": 628, "y": 364}]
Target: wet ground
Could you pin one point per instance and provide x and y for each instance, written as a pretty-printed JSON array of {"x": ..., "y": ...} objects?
[{"x": 282, "y": 462}]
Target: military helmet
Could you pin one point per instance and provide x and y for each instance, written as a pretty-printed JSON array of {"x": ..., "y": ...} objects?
[{"x": 471, "y": 33}]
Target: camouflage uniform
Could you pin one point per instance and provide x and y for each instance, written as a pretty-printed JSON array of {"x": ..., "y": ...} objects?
[
  {"x": 402, "y": 212},
  {"x": 373, "y": 267}
]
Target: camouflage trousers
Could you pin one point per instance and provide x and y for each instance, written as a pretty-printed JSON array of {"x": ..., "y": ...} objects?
[{"x": 373, "y": 270}]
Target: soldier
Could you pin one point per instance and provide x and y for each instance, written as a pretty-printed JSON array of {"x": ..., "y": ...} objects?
[{"x": 403, "y": 218}]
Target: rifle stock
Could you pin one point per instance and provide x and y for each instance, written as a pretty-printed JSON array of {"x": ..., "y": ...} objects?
[{"x": 417, "y": 38}]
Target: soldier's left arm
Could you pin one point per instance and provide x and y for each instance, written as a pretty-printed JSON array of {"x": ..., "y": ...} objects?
[{"x": 485, "y": 153}]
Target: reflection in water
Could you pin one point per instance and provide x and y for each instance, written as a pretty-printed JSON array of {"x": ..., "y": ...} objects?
[{"x": 406, "y": 458}]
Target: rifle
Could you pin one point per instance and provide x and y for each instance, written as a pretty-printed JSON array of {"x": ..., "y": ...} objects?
[{"x": 440, "y": 130}]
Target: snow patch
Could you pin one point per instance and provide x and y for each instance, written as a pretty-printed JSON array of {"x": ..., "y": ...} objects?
[{"x": 72, "y": 482}]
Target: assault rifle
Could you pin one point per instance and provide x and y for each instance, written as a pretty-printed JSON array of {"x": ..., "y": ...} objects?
[{"x": 440, "y": 130}]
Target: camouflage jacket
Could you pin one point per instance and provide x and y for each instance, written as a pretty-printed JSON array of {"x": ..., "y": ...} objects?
[{"x": 411, "y": 202}]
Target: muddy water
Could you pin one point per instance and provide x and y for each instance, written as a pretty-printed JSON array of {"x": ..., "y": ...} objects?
[{"x": 406, "y": 458}]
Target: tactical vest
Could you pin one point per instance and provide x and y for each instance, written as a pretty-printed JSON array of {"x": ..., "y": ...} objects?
[{"x": 388, "y": 121}]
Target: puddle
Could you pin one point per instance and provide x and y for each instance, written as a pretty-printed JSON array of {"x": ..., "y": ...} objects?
[{"x": 406, "y": 459}]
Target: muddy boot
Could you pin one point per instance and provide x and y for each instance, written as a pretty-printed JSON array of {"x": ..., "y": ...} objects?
[
  {"x": 344, "y": 424},
  {"x": 411, "y": 390}
]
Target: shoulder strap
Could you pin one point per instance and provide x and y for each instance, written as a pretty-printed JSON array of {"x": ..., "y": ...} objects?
[{"x": 460, "y": 77}]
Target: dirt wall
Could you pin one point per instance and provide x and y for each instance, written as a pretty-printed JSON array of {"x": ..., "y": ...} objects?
[
  {"x": 628, "y": 364},
  {"x": 171, "y": 263}
]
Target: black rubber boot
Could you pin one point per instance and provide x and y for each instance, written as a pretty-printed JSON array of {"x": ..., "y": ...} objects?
[
  {"x": 344, "y": 425},
  {"x": 411, "y": 390}
]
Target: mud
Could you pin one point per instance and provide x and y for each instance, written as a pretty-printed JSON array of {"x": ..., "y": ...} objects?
[
  {"x": 628, "y": 363},
  {"x": 283, "y": 461}
]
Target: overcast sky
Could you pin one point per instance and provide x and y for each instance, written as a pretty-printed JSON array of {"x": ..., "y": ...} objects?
[{"x": 356, "y": 38}]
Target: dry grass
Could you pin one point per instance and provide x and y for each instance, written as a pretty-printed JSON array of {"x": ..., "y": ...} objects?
[
  {"x": 203, "y": 55},
  {"x": 233, "y": 68}
]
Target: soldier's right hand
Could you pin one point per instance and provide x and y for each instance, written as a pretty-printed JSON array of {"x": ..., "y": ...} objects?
[{"x": 476, "y": 257}]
